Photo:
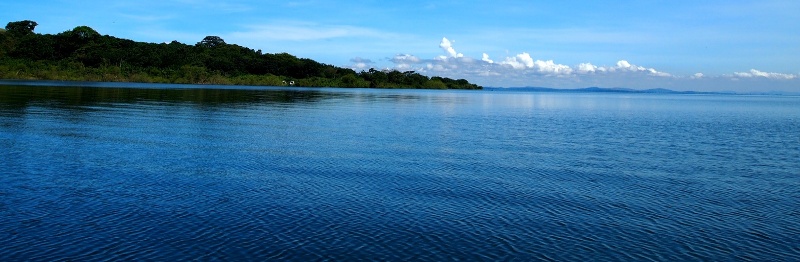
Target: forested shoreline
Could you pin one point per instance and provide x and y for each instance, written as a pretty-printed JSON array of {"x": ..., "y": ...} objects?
[{"x": 83, "y": 54}]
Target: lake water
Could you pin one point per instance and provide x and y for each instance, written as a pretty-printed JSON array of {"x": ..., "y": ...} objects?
[{"x": 165, "y": 172}]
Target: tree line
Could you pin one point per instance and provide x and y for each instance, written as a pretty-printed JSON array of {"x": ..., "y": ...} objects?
[{"x": 83, "y": 54}]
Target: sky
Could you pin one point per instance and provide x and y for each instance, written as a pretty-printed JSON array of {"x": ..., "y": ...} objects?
[{"x": 708, "y": 45}]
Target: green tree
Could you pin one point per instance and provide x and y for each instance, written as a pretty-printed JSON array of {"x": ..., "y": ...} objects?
[
  {"x": 75, "y": 42},
  {"x": 211, "y": 41},
  {"x": 24, "y": 27},
  {"x": 376, "y": 78},
  {"x": 83, "y": 33},
  {"x": 351, "y": 80},
  {"x": 435, "y": 84}
]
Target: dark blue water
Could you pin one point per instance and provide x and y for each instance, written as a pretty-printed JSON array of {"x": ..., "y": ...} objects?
[{"x": 180, "y": 172}]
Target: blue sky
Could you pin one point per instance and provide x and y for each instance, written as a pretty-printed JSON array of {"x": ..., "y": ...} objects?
[{"x": 682, "y": 45}]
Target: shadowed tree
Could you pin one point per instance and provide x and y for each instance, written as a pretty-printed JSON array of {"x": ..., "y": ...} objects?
[
  {"x": 79, "y": 42},
  {"x": 5, "y": 42},
  {"x": 211, "y": 41},
  {"x": 83, "y": 33},
  {"x": 24, "y": 27}
]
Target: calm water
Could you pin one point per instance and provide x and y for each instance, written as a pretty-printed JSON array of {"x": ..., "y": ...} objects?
[{"x": 178, "y": 172}]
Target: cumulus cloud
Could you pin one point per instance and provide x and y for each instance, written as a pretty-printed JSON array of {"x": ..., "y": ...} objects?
[
  {"x": 447, "y": 46},
  {"x": 550, "y": 67},
  {"x": 521, "y": 61},
  {"x": 486, "y": 59},
  {"x": 524, "y": 61},
  {"x": 653, "y": 72},
  {"x": 586, "y": 68},
  {"x": 625, "y": 66},
  {"x": 525, "y": 69},
  {"x": 756, "y": 73},
  {"x": 622, "y": 64},
  {"x": 520, "y": 66}
]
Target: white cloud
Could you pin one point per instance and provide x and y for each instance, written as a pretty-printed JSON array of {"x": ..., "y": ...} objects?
[
  {"x": 550, "y": 67},
  {"x": 521, "y": 61},
  {"x": 522, "y": 64},
  {"x": 486, "y": 59},
  {"x": 586, "y": 68},
  {"x": 523, "y": 69},
  {"x": 447, "y": 46},
  {"x": 757, "y": 73},
  {"x": 524, "y": 61},
  {"x": 653, "y": 72},
  {"x": 625, "y": 66}
]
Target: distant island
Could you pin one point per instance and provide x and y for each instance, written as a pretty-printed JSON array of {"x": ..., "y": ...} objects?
[{"x": 83, "y": 54}]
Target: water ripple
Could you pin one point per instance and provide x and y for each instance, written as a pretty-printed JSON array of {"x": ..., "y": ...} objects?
[{"x": 404, "y": 175}]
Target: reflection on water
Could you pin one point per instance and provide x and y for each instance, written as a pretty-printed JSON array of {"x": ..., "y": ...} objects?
[
  {"x": 21, "y": 96},
  {"x": 149, "y": 172}
]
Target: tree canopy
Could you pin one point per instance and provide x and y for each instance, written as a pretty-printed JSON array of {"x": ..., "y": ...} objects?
[
  {"x": 84, "y": 54},
  {"x": 211, "y": 41},
  {"x": 21, "y": 27}
]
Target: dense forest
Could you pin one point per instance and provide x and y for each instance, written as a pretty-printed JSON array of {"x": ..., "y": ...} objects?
[{"x": 83, "y": 54}]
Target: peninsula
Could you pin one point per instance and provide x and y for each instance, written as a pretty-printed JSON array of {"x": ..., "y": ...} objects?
[{"x": 83, "y": 54}]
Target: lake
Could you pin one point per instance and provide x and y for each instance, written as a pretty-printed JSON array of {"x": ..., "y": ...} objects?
[{"x": 115, "y": 171}]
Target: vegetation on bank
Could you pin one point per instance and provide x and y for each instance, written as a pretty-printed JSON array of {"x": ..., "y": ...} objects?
[{"x": 82, "y": 54}]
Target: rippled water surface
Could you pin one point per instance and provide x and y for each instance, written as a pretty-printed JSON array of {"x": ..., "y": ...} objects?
[{"x": 149, "y": 172}]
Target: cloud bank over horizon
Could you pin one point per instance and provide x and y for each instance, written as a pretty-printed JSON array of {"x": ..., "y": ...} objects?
[{"x": 523, "y": 68}]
